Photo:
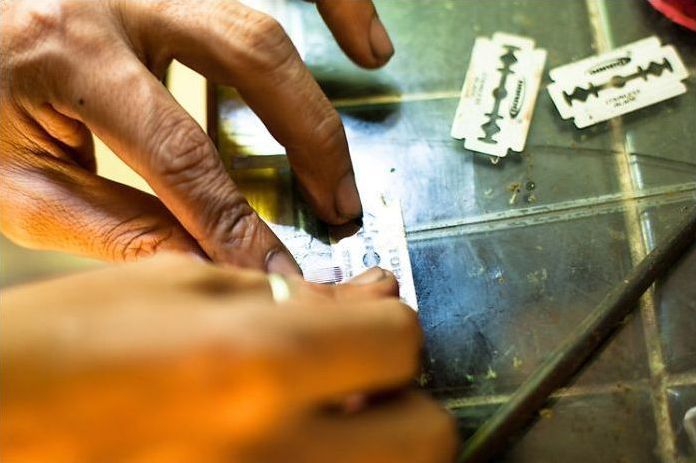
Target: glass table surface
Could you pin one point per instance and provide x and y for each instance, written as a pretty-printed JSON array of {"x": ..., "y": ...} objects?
[{"x": 502, "y": 276}]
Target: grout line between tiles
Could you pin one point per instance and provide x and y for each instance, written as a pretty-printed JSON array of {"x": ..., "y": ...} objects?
[
  {"x": 392, "y": 99},
  {"x": 565, "y": 210},
  {"x": 666, "y": 437},
  {"x": 572, "y": 391},
  {"x": 681, "y": 379},
  {"x": 474, "y": 401},
  {"x": 639, "y": 236}
]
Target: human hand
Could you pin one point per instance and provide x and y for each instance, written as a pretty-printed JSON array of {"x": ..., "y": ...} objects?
[
  {"x": 74, "y": 66},
  {"x": 176, "y": 360}
]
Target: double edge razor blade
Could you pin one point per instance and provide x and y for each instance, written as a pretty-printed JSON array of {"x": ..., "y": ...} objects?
[
  {"x": 380, "y": 242},
  {"x": 618, "y": 82},
  {"x": 498, "y": 96}
]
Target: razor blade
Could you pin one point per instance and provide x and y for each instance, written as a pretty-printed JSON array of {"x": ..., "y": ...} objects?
[
  {"x": 621, "y": 81},
  {"x": 378, "y": 241},
  {"x": 497, "y": 100}
]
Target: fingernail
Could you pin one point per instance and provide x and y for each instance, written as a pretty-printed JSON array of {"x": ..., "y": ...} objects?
[
  {"x": 369, "y": 277},
  {"x": 281, "y": 262},
  {"x": 347, "y": 198},
  {"x": 380, "y": 42}
]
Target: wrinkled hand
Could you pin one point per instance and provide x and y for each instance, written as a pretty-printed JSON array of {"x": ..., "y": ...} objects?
[
  {"x": 74, "y": 66},
  {"x": 198, "y": 363}
]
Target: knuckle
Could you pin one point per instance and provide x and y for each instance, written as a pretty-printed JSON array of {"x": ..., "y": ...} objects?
[
  {"x": 263, "y": 42},
  {"x": 184, "y": 152},
  {"x": 131, "y": 239},
  {"x": 29, "y": 30},
  {"x": 34, "y": 21},
  {"x": 266, "y": 28},
  {"x": 328, "y": 135},
  {"x": 232, "y": 225},
  {"x": 51, "y": 38}
]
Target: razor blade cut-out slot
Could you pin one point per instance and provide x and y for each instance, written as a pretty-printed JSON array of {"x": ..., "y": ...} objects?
[
  {"x": 491, "y": 127},
  {"x": 653, "y": 69}
]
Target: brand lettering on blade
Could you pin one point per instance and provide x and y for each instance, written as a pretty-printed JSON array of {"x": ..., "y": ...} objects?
[
  {"x": 518, "y": 98},
  {"x": 609, "y": 64}
]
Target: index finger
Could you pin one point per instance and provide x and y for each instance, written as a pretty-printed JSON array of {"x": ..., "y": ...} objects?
[
  {"x": 139, "y": 120},
  {"x": 357, "y": 28},
  {"x": 235, "y": 45}
]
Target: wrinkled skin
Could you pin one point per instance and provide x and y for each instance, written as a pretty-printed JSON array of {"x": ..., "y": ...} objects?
[
  {"x": 203, "y": 366},
  {"x": 71, "y": 67},
  {"x": 173, "y": 359}
]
